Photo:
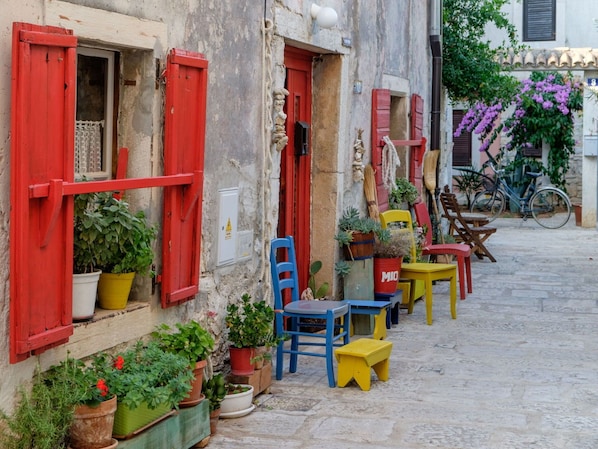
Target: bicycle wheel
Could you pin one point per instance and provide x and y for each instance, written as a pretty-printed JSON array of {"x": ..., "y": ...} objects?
[
  {"x": 550, "y": 207},
  {"x": 491, "y": 203}
]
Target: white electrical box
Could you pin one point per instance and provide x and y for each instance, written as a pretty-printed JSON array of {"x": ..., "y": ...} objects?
[
  {"x": 590, "y": 146},
  {"x": 227, "y": 225}
]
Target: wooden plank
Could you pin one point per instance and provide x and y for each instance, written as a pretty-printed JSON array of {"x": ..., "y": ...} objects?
[{"x": 359, "y": 284}]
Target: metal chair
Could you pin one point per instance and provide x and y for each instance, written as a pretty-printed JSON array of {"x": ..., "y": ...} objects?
[
  {"x": 427, "y": 272},
  {"x": 333, "y": 316}
]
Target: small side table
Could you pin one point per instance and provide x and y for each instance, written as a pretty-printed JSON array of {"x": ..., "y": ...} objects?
[
  {"x": 395, "y": 302},
  {"x": 369, "y": 307}
]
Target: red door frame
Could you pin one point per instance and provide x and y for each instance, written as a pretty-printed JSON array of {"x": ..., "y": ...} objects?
[{"x": 295, "y": 175}]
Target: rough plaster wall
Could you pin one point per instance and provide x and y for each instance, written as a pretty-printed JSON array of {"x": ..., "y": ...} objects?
[{"x": 229, "y": 33}]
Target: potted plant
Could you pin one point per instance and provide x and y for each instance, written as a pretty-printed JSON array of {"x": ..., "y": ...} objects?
[
  {"x": 214, "y": 390},
  {"x": 193, "y": 342},
  {"x": 125, "y": 248},
  {"x": 403, "y": 194},
  {"x": 147, "y": 381},
  {"x": 88, "y": 226},
  {"x": 388, "y": 256},
  {"x": 42, "y": 417},
  {"x": 93, "y": 417},
  {"x": 250, "y": 325},
  {"x": 238, "y": 401},
  {"x": 71, "y": 405},
  {"x": 356, "y": 234}
]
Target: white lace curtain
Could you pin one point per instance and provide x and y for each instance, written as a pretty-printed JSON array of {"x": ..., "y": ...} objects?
[{"x": 88, "y": 146}]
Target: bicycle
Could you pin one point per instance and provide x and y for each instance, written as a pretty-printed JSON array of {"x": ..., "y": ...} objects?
[{"x": 549, "y": 205}]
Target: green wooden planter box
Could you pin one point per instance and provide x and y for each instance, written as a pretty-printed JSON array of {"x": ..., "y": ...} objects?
[
  {"x": 181, "y": 430},
  {"x": 127, "y": 421}
]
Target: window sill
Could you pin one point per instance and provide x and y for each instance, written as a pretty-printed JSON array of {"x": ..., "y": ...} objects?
[{"x": 109, "y": 328}]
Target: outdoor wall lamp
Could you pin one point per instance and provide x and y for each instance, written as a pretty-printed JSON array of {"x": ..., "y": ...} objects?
[{"x": 325, "y": 17}]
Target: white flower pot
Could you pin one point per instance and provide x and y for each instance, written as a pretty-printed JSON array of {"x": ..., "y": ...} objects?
[
  {"x": 238, "y": 404},
  {"x": 85, "y": 287}
]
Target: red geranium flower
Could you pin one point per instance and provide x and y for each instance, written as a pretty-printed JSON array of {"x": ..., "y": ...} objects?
[
  {"x": 119, "y": 363},
  {"x": 101, "y": 385}
]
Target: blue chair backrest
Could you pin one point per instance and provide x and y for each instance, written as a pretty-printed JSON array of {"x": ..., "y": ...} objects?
[{"x": 283, "y": 266}]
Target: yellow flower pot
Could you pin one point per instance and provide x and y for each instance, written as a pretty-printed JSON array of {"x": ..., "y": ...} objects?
[{"x": 114, "y": 289}]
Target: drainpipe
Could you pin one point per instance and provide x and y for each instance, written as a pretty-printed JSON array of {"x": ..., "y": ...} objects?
[{"x": 436, "y": 47}]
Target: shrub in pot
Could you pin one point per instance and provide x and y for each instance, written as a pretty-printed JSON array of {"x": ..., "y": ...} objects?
[
  {"x": 125, "y": 247},
  {"x": 250, "y": 325},
  {"x": 87, "y": 228},
  {"x": 193, "y": 342}
]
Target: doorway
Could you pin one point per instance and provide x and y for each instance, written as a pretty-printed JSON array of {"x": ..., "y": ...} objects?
[{"x": 295, "y": 174}]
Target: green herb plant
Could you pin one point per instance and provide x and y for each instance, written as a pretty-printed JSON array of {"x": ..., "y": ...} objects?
[
  {"x": 146, "y": 374},
  {"x": 109, "y": 236},
  {"x": 43, "y": 414},
  {"x": 189, "y": 340}
]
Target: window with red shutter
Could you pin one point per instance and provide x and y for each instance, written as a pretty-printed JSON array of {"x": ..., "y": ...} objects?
[
  {"x": 186, "y": 85},
  {"x": 41, "y": 229},
  {"x": 42, "y": 184},
  {"x": 381, "y": 124}
]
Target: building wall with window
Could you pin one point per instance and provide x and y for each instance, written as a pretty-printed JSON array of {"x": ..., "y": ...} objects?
[
  {"x": 122, "y": 60},
  {"x": 561, "y": 36}
]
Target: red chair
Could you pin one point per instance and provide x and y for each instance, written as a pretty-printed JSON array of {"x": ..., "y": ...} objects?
[{"x": 461, "y": 251}]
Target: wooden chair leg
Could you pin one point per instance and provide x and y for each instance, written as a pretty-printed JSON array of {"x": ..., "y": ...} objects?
[
  {"x": 468, "y": 273},
  {"x": 453, "y": 297},
  {"x": 462, "y": 281}
]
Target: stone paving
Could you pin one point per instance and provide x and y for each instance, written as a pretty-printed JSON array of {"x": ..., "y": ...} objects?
[{"x": 517, "y": 369}]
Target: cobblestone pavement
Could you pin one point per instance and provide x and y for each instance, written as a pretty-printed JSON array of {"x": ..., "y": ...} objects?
[{"x": 517, "y": 369}]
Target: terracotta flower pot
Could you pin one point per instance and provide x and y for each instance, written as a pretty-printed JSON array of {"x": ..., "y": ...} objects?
[
  {"x": 240, "y": 361},
  {"x": 195, "y": 397},
  {"x": 214, "y": 417},
  {"x": 92, "y": 426}
]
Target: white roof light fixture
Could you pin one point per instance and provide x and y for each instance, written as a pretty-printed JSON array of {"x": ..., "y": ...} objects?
[{"x": 325, "y": 17}]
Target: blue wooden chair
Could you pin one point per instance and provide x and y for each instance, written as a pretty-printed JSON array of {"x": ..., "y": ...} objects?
[{"x": 331, "y": 314}]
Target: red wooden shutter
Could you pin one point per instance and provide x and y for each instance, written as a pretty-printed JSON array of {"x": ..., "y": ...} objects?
[
  {"x": 417, "y": 152},
  {"x": 380, "y": 128},
  {"x": 42, "y": 151},
  {"x": 186, "y": 89}
]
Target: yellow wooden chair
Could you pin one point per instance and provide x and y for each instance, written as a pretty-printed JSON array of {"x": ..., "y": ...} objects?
[{"x": 426, "y": 272}]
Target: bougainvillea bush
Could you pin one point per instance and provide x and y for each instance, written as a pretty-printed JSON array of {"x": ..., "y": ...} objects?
[{"x": 543, "y": 112}]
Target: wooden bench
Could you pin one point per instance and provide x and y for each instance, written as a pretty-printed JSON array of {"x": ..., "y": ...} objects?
[{"x": 356, "y": 359}]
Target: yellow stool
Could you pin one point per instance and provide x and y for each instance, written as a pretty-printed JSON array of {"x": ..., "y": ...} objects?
[{"x": 356, "y": 359}]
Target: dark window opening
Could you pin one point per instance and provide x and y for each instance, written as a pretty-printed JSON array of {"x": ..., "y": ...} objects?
[{"x": 539, "y": 20}]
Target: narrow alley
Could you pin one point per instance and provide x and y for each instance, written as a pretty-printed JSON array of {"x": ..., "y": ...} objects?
[{"x": 517, "y": 369}]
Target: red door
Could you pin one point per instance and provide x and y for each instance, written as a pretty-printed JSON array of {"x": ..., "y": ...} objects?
[{"x": 295, "y": 175}]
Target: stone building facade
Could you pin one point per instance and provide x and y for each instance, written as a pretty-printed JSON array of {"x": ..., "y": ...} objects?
[{"x": 248, "y": 47}]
